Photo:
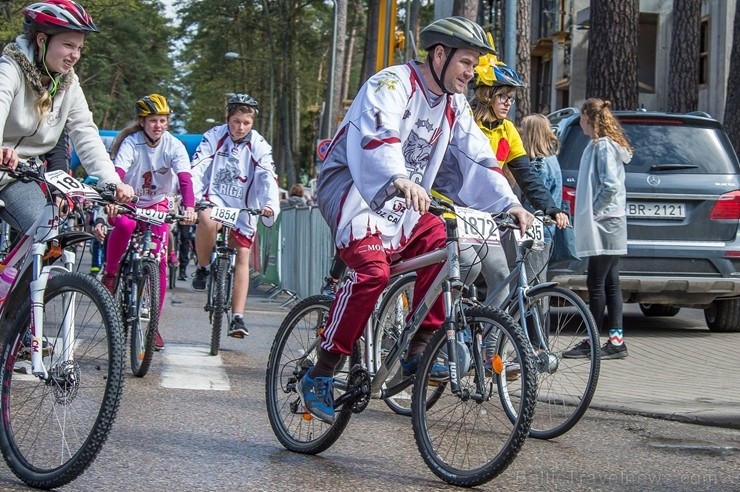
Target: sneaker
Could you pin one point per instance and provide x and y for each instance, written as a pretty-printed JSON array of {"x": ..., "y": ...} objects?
[
  {"x": 158, "y": 343},
  {"x": 201, "y": 276},
  {"x": 317, "y": 396},
  {"x": 330, "y": 287},
  {"x": 109, "y": 282},
  {"x": 580, "y": 351},
  {"x": 611, "y": 351},
  {"x": 238, "y": 329},
  {"x": 439, "y": 371},
  {"x": 183, "y": 273},
  {"x": 94, "y": 270}
]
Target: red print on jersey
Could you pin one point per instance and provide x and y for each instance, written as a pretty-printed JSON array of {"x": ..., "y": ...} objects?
[
  {"x": 502, "y": 149},
  {"x": 147, "y": 180}
]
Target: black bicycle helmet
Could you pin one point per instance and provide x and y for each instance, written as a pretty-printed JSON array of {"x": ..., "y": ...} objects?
[
  {"x": 456, "y": 32},
  {"x": 242, "y": 100}
]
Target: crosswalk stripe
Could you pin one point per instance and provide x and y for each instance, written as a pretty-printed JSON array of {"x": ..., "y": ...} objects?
[{"x": 192, "y": 367}]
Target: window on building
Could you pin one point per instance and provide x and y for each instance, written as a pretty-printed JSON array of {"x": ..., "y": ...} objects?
[
  {"x": 540, "y": 95},
  {"x": 646, "y": 54},
  {"x": 704, "y": 51}
]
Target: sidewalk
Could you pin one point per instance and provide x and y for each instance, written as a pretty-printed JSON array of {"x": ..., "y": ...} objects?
[{"x": 677, "y": 369}]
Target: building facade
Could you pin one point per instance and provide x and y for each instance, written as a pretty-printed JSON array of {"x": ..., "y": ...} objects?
[{"x": 560, "y": 31}]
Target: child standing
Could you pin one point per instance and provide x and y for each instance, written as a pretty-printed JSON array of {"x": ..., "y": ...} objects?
[{"x": 600, "y": 222}]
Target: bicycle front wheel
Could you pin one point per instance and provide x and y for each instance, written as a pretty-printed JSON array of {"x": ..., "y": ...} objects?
[
  {"x": 294, "y": 351},
  {"x": 52, "y": 430},
  {"x": 220, "y": 300},
  {"x": 467, "y": 439},
  {"x": 565, "y": 386},
  {"x": 145, "y": 324}
]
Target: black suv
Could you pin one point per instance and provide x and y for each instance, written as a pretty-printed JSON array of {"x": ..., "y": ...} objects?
[{"x": 683, "y": 214}]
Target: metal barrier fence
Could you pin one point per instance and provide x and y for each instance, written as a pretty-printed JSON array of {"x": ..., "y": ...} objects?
[{"x": 304, "y": 251}]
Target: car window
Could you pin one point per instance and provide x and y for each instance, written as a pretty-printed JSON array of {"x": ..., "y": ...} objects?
[{"x": 681, "y": 149}]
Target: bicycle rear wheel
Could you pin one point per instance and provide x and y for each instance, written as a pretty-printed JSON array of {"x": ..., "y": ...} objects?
[
  {"x": 565, "y": 386},
  {"x": 293, "y": 352},
  {"x": 52, "y": 430},
  {"x": 145, "y": 324},
  {"x": 468, "y": 439},
  {"x": 220, "y": 302}
]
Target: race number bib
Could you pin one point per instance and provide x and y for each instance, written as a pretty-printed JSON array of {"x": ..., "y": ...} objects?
[
  {"x": 476, "y": 227},
  {"x": 70, "y": 186},
  {"x": 154, "y": 217},
  {"x": 225, "y": 215},
  {"x": 537, "y": 232}
]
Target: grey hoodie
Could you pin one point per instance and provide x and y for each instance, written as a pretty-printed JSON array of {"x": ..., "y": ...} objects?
[
  {"x": 31, "y": 136},
  {"x": 600, "y": 222}
]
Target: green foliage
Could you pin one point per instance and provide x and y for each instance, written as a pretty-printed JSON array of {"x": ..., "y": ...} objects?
[{"x": 129, "y": 58}]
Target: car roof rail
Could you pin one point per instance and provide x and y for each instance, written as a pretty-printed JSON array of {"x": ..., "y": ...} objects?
[
  {"x": 559, "y": 117},
  {"x": 562, "y": 113}
]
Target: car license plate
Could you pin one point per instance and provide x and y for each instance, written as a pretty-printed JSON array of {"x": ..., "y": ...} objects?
[{"x": 657, "y": 210}]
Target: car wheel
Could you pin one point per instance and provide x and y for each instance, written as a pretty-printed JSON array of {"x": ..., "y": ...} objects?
[
  {"x": 723, "y": 315},
  {"x": 659, "y": 309}
]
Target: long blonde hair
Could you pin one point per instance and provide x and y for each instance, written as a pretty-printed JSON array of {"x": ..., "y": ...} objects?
[
  {"x": 537, "y": 136},
  {"x": 604, "y": 122},
  {"x": 129, "y": 130}
]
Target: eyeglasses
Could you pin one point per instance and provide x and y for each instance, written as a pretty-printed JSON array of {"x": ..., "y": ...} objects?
[{"x": 504, "y": 99}]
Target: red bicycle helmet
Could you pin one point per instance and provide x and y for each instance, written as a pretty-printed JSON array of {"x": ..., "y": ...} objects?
[{"x": 54, "y": 16}]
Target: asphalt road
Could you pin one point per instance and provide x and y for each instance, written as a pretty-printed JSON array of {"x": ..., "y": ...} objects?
[{"x": 218, "y": 437}]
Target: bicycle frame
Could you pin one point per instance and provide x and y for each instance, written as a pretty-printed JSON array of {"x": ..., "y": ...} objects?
[
  {"x": 221, "y": 250},
  {"x": 30, "y": 252},
  {"x": 448, "y": 284},
  {"x": 518, "y": 277}
]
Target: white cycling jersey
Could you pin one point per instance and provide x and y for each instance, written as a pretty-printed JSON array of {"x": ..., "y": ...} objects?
[
  {"x": 239, "y": 175},
  {"x": 394, "y": 128},
  {"x": 152, "y": 171}
]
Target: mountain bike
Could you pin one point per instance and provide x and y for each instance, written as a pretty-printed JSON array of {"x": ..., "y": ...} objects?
[
  {"x": 555, "y": 320},
  {"x": 220, "y": 281},
  {"x": 138, "y": 284},
  {"x": 461, "y": 428},
  {"x": 58, "y": 407}
]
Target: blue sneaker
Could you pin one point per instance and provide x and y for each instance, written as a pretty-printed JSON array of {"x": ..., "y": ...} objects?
[
  {"x": 317, "y": 396},
  {"x": 439, "y": 372},
  {"x": 330, "y": 287}
]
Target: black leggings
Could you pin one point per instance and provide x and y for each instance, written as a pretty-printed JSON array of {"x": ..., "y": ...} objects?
[
  {"x": 338, "y": 267},
  {"x": 602, "y": 281}
]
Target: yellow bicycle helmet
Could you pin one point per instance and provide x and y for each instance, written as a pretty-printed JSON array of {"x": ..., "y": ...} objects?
[{"x": 152, "y": 104}]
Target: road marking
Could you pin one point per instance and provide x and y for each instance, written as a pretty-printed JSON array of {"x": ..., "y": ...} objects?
[{"x": 192, "y": 367}]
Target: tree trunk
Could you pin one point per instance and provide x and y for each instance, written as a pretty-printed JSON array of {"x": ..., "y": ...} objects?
[
  {"x": 683, "y": 90},
  {"x": 112, "y": 95},
  {"x": 523, "y": 58},
  {"x": 340, "y": 49},
  {"x": 350, "y": 49},
  {"x": 612, "y": 52},
  {"x": 371, "y": 41},
  {"x": 414, "y": 30},
  {"x": 732, "y": 103},
  {"x": 466, "y": 8}
]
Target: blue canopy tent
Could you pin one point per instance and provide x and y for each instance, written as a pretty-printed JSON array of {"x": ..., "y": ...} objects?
[{"x": 191, "y": 141}]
